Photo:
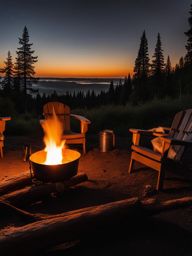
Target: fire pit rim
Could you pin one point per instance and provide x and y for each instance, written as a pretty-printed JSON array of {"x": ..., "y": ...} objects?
[
  {"x": 63, "y": 163},
  {"x": 56, "y": 172}
]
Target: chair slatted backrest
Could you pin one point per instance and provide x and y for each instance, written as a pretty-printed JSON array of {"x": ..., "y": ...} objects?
[
  {"x": 62, "y": 111},
  {"x": 182, "y": 130}
]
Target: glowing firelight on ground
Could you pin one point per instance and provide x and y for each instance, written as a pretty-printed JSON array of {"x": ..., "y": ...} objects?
[{"x": 53, "y": 130}]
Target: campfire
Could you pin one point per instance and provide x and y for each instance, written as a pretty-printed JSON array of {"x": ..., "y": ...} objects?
[{"x": 55, "y": 162}]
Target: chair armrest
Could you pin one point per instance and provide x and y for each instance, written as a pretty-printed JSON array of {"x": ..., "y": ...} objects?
[
  {"x": 84, "y": 122},
  {"x": 166, "y": 128},
  {"x": 5, "y": 118},
  {"x": 81, "y": 118},
  {"x": 173, "y": 141},
  {"x": 139, "y": 131},
  {"x": 147, "y": 132}
]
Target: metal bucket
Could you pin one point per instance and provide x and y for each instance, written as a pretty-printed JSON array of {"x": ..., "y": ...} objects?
[{"x": 106, "y": 140}]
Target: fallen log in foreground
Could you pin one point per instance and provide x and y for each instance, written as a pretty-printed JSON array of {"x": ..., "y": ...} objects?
[
  {"x": 7, "y": 208},
  {"x": 46, "y": 233},
  {"x": 15, "y": 183},
  {"x": 31, "y": 194}
]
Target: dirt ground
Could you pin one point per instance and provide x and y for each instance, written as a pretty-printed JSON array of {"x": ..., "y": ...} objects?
[{"x": 166, "y": 233}]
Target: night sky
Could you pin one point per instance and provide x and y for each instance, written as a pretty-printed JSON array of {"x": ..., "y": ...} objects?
[{"x": 87, "y": 38}]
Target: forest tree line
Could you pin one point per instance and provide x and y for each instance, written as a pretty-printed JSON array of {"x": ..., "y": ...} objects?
[{"x": 155, "y": 78}]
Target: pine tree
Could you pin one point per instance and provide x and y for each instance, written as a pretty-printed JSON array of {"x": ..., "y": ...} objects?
[
  {"x": 158, "y": 64},
  {"x": 7, "y": 83},
  {"x": 141, "y": 69},
  {"x": 181, "y": 63},
  {"x": 188, "y": 57},
  {"x": 17, "y": 74},
  {"x": 141, "y": 72},
  {"x": 169, "y": 85},
  {"x": 157, "y": 70},
  {"x": 25, "y": 61},
  {"x": 168, "y": 67}
]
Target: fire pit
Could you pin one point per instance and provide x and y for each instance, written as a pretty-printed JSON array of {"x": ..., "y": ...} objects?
[
  {"x": 56, "y": 162},
  {"x": 55, "y": 172}
]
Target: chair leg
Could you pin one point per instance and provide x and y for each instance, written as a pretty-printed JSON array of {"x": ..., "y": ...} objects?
[
  {"x": 160, "y": 179},
  {"x": 131, "y": 165},
  {"x": 1, "y": 152},
  {"x": 84, "y": 147}
]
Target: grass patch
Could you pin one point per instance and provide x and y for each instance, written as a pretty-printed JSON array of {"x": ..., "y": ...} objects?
[{"x": 121, "y": 118}]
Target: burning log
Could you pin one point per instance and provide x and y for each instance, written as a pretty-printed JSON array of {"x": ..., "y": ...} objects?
[
  {"x": 30, "y": 194},
  {"x": 70, "y": 226}
]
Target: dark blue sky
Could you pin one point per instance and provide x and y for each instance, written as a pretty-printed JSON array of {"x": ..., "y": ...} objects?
[{"x": 93, "y": 38}]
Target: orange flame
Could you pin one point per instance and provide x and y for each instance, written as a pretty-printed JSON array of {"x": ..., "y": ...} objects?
[{"x": 53, "y": 129}]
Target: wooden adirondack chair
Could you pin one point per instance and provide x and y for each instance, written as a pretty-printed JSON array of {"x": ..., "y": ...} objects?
[
  {"x": 173, "y": 145},
  {"x": 64, "y": 114},
  {"x": 2, "y": 129}
]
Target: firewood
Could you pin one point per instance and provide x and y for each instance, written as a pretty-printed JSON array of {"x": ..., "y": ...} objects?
[
  {"x": 52, "y": 231},
  {"x": 31, "y": 194},
  {"x": 14, "y": 183},
  {"x": 74, "y": 225},
  {"x": 6, "y": 208}
]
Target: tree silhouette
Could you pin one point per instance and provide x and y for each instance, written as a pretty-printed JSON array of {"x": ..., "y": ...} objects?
[
  {"x": 142, "y": 61},
  {"x": 188, "y": 57},
  {"x": 158, "y": 64},
  {"x": 17, "y": 74},
  {"x": 7, "y": 83},
  {"x": 25, "y": 62},
  {"x": 157, "y": 69},
  {"x": 168, "y": 67},
  {"x": 141, "y": 72}
]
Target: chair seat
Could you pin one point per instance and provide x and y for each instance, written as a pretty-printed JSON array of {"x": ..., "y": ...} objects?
[
  {"x": 73, "y": 135},
  {"x": 147, "y": 152}
]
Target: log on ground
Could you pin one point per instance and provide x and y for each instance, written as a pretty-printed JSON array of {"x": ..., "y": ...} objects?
[
  {"x": 73, "y": 225},
  {"x": 34, "y": 193},
  {"x": 15, "y": 183}
]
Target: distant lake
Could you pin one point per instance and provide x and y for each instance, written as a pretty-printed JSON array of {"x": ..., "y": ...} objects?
[{"x": 61, "y": 86}]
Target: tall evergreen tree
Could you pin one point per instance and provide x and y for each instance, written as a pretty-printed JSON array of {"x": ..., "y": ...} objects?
[
  {"x": 141, "y": 72},
  {"x": 168, "y": 67},
  {"x": 157, "y": 70},
  {"x": 169, "y": 85},
  {"x": 158, "y": 64},
  {"x": 7, "y": 82},
  {"x": 25, "y": 61},
  {"x": 142, "y": 61},
  {"x": 181, "y": 63},
  {"x": 188, "y": 57},
  {"x": 17, "y": 74}
]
